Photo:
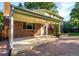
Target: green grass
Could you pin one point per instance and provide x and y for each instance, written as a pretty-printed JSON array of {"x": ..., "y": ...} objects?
[{"x": 73, "y": 34}]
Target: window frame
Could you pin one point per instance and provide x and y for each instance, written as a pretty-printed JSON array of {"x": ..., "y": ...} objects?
[{"x": 32, "y": 24}]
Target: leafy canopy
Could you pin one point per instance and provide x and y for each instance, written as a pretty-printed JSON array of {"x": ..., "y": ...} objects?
[
  {"x": 20, "y": 5},
  {"x": 1, "y": 17},
  {"x": 75, "y": 15},
  {"x": 39, "y": 5}
]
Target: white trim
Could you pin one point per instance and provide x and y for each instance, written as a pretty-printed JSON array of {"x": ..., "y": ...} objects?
[
  {"x": 42, "y": 30},
  {"x": 11, "y": 38},
  {"x": 46, "y": 31},
  {"x": 11, "y": 28},
  {"x": 59, "y": 27}
]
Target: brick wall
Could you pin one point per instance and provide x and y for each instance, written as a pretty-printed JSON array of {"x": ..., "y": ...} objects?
[
  {"x": 5, "y": 31},
  {"x": 20, "y": 32},
  {"x": 6, "y": 8}
]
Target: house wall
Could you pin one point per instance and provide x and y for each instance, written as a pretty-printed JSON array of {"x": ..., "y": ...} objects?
[{"x": 20, "y": 32}]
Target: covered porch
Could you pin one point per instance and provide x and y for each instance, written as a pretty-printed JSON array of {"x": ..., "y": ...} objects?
[
  {"x": 40, "y": 36},
  {"x": 27, "y": 16}
]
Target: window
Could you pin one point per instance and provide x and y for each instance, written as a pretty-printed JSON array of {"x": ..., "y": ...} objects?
[{"x": 28, "y": 26}]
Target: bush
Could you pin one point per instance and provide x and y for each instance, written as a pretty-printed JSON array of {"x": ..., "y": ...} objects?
[{"x": 57, "y": 35}]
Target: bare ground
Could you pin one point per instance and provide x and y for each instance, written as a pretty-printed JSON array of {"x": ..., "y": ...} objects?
[{"x": 61, "y": 47}]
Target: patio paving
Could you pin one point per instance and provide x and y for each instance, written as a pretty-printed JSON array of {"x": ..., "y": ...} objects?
[
  {"x": 28, "y": 43},
  {"x": 62, "y": 47}
]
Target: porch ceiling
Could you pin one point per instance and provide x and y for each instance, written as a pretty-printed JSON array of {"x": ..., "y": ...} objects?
[
  {"x": 32, "y": 18},
  {"x": 22, "y": 18}
]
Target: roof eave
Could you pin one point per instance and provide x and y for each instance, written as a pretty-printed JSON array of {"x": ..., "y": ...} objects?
[{"x": 27, "y": 10}]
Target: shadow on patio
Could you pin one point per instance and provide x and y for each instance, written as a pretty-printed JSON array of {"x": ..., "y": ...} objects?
[
  {"x": 28, "y": 43},
  {"x": 58, "y": 48},
  {"x": 61, "y": 47}
]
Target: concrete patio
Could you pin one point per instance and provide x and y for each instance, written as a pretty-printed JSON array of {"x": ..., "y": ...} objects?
[
  {"x": 61, "y": 47},
  {"x": 28, "y": 43}
]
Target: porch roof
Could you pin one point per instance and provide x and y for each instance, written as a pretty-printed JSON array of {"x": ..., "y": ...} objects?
[{"x": 43, "y": 18}]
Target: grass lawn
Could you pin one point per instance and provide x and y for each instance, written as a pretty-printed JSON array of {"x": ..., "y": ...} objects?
[{"x": 73, "y": 34}]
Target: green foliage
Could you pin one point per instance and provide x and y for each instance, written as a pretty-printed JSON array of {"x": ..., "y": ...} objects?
[
  {"x": 75, "y": 23},
  {"x": 1, "y": 20},
  {"x": 67, "y": 26},
  {"x": 75, "y": 15},
  {"x": 41, "y": 5},
  {"x": 1, "y": 17},
  {"x": 56, "y": 28},
  {"x": 73, "y": 34},
  {"x": 20, "y": 5}
]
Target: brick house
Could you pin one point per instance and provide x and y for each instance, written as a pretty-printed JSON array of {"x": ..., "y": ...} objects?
[
  {"x": 29, "y": 23},
  {"x": 32, "y": 23}
]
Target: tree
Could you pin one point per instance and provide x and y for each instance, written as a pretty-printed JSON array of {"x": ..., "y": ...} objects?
[
  {"x": 75, "y": 23},
  {"x": 66, "y": 27},
  {"x": 41, "y": 5},
  {"x": 20, "y": 5},
  {"x": 75, "y": 15},
  {"x": 1, "y": 19}
]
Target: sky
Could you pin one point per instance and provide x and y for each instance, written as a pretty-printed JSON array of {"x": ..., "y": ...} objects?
[
  {"x": 1, "y": 6},
  {"x": 64, "y": 8}
]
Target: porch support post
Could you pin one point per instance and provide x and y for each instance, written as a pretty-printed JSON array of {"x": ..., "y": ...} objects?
[
  {"x": 47, "y": 30},
  {"x": 59, "y": 28},
  {"x": 42, "y": 30},
  {"x": 55, "y": 28},
  {"x": 11, "y": 27},
  {"x": 11, "y": 39}
]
